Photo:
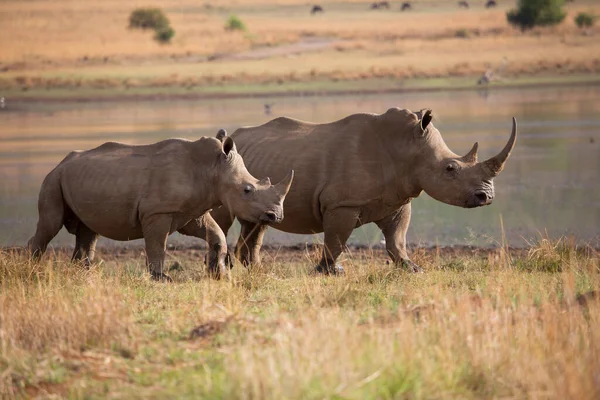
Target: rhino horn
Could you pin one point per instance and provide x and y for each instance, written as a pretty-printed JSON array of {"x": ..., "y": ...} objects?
[
  {"x": 265, "y": 181},
  {"x": 496, "y": 163},
  {"x": 284, "y": 185},
  {"x": 471, "y": 156}
]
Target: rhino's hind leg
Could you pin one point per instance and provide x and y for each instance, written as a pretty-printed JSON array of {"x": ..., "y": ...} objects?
[
  {"x": 51, "y": 209},
  {"x": 206, "y": 228},
  {"x": 156, "y": 230},
  {"x": 394, "y": 228},
  {"x": 247, "y": 249},
  {"x": 85, "y": 244},
  {"x": 338, "y": 224}
]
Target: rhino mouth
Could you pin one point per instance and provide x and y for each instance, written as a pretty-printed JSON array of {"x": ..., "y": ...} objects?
[
  {"x": 480, "y": 198},
  {"x": 271, "y": 217}
]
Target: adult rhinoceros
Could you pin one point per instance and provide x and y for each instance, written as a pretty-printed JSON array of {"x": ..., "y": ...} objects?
[
  {"x": 363, "y": 168},
  {"x": 128, "y": 192}
]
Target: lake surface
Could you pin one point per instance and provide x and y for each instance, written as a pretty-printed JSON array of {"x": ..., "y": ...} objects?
[{"x": 550, "y": 186}]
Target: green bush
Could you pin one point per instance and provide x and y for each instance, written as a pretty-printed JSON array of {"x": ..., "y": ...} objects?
[
  {"x": 585, "y": 20},
  {"x": 148, "y": 18},
  {"x": 164, "y": 34},
  {"x": 235, "y": 24},
  {"x": 530, "y": 13}
]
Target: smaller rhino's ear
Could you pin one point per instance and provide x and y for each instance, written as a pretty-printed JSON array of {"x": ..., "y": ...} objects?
[
  {"x": 221, "y": 134},
  {"x": 426, "y": 120},
  {"x": 228, "y": 146}
]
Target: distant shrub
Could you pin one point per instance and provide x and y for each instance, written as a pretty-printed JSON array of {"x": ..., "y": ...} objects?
[
  {"x": 530, "y": 13},
  {"x": 164, "y": 34},
  {"x": 148, "y": 18},
  {"x": 152, "y": 18},
  {"x": 585, "y": 20},
  {"x": 234, "y": 23}
]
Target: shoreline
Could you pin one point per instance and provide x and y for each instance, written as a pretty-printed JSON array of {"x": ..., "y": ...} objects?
[{"x": 292, "y": 89}]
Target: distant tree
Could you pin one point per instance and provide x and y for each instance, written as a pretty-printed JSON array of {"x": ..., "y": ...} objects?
[
  {"x": 152, "y": 18},
  {"x": 164, "y": 34},
  {"x": 148, "y": 18},
  {"x": 530, "y": 13},
  {"x": 585, "y": 20}
]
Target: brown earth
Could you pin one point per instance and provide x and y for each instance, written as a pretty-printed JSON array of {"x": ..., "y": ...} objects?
[{"x": 84, "y": 45}]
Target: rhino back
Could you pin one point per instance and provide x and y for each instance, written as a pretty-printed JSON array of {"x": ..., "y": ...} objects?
[
  {"x": 336, "y": 164},
  {"x": 110, "y": 188}
]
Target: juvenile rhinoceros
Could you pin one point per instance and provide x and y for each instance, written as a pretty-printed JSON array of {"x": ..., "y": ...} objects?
[
  {"x": 363, "y": 168},
  {"x": 128, "y": 192}
]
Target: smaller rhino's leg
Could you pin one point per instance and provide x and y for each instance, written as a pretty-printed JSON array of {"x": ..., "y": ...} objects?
[
  {"x": 247, "y": 249},
  {"x": 224, "y": 218},
  {"x": 85, "y": 244},
  {"x": 156, "y": 230},
  {"x": 338, "y": 224},
  {"x": 206, "y": 228},
  {"x": 394, "y": 228},
  {"x": 51, "y": 211}
]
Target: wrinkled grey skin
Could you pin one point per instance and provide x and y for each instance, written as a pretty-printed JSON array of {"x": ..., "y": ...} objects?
[
  {"x": 128, "y": 192},
  {"x": 363, "y": 168}
]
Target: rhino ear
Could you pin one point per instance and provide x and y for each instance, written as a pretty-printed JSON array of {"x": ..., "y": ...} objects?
[
  {"x": 228, "y": 146},
  {"x": 221, "y": 134},
  {"x": 426, "y": 120}
]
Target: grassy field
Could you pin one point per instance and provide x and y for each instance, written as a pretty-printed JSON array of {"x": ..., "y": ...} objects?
[
  {"x": 477, "y": 324},
  {"x": 78, "y": 46}
]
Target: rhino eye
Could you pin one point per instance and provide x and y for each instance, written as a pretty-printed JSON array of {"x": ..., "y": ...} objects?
[
  {"x": 248, "y": 189},
  {"x": 452, "y": 167}
]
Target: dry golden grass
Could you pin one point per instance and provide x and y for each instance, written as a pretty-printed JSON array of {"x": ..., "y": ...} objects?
[
  {"x": 75, "y": 44},
  {"x": 476, "y": 325}
]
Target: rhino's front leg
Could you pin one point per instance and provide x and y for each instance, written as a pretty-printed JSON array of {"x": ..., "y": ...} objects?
[
  {"x": 206, "y": 228},
  {"x": 224, "y": 218},
  {"x": 394, "y": 228},
  {"x": 247, "y": 249},
  {"x": 156, "y": 230},
  {"x": 338, "y": 224}
]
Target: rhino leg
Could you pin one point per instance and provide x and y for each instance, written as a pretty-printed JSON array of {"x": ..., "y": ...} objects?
[
  {"x": 206, "y": 228},
  {"x": 51, "y": 209},
  {"x": 85, "y": 244},
  {"x": 338, "y": 224},
  {"x": 224, "y": 219},
  {"x": 156, "y": 230},
  {"x": 247, "y": 249},
  {"x": 394, "y": 228}
]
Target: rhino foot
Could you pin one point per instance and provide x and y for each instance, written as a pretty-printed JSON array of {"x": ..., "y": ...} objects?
[
  {"x": 335, "y": 270},
  {"x": 160, "y": 277},
  {"x": 411, "y": 266},
  {"x": 216, "y": 271},
  {"x": 228, "y": 259}
]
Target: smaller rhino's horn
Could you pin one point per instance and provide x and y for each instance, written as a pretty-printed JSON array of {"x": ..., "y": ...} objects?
[
  {"x": 471, "y": 156},
  {"x": 283, "y": 187}
]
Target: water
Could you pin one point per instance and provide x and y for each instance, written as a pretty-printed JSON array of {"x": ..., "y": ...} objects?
[{"x": 551, "y": 184}]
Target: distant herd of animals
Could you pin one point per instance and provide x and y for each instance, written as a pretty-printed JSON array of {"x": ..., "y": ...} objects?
[{"x": 405, "y": 6}]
